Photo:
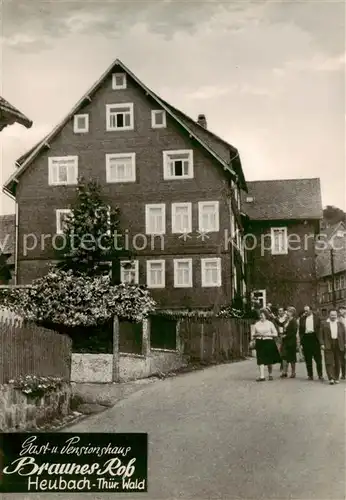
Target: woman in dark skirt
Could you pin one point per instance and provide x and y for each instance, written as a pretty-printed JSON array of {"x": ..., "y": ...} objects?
[
  {"x": 264, "y": 334},
  {"x": 289, "y": 343}
]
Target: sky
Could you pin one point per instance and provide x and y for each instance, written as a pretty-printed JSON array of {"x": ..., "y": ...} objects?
[{"x": 268, "y": 75}]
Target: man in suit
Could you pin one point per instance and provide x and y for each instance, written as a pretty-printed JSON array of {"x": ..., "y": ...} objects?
[
  {"x": 309, "y": 334},
  {"x": 342, "y": 318},
  {"x": 271, "y": 314},
  {"x": 333, "y": 342}
]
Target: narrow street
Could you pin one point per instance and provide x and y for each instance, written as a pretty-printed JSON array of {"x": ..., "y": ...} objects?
[{"x": 217, "y": 434}]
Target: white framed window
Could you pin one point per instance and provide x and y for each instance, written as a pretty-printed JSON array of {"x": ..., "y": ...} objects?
[
  {"x": 119, "y": 116},
  {"x": 81, "y": 124},
  {"x": 178, "y": 164},
  {"x": 158, "y": 118},
  {"x": 233, "y": 225},
  {"x": 235, "y": 279},
  {"x": 211, "y": 272},
  {"x": 337, "y": 283},
  {"x": 61, "y": 214},
  {"x": 279, "y": 241},
  {"x": 156, "y": 274},
  {"x": 208, "y": 216},
  {"x": 62, "y": 170},
  {"x": 118, "y": 81},
  {"x": 261, "y": 297},
  {"x": 342, "y": 281},
  {"x": 121, "y": 167},
  {"x": 129, "y": 271},
  {"x": 155, "y": 218},
  {"x": 182, "y": 273},
  {"x": 329, "y": 285},
  {"x": 181, "y": 217}
]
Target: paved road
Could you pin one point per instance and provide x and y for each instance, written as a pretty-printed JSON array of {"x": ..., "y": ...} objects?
[{"x": 217, "y": 434}]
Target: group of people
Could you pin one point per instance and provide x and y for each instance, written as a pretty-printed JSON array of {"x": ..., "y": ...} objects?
[{"x": 277, "y": 338}]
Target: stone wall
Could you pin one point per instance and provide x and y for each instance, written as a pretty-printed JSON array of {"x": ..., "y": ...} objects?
[
  {"x": 99, "y": 367},
  {"x": 18, "y": 412}
]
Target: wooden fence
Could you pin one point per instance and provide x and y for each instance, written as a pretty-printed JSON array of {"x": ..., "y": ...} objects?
[
  {"x": 216, "y": 339},
  {"x": 32, "y": 350}
]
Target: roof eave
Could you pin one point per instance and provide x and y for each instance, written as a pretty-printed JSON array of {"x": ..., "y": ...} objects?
[
  {"x": 9, "y": 188},
  {"x": 262, "y": 219},
  {"x": 12, "y": 117}
]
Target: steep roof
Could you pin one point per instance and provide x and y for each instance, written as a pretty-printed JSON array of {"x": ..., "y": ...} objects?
[
  {"x": 335, "y": 236},
  {"x": 332, "y": 230},
  {"x": 210, "y": 142},
  {"x": 225, "y": 150},
  {"x": 283, "y": 199},
  {"x": 7, "y": 235},
  {"x": 9, "y": 115}
]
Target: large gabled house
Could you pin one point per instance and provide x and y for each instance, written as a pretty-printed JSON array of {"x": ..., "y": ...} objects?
[
  {"x": 10, "y": 115},
  {"x": 331, "y": 268},
  {"x": 283, "y": 222},
  {"x": 7, "y": 248},
  {"x": 176, "y": 183}
]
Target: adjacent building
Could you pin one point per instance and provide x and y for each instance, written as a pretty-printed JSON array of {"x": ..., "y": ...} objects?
[
  {"x": 283, "y": 220},
  {"x": 10, "y": 115},
  {"x": 178, "y": 187},
  {"x": 331, "y": 268},
  {"x": 7, "y": 249}
]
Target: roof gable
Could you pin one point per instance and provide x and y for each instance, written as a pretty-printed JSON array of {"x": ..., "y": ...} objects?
[
  {"x": 24, "y": 162},
  {"x": 283, "y": 199},
  {"x": 333, "y": 230},
  {"x": 225, "y": 150}
]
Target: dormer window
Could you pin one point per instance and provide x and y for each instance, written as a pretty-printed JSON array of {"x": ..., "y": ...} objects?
[
  {"x": 81, "y": 124},
  {"x": 118, "y": 81},
  {"x": 158, "y": 118}
]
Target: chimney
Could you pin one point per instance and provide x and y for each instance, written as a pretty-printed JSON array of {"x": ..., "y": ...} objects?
[{"x": 202, "y": 121}]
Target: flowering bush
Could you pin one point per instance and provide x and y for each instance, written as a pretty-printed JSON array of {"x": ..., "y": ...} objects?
[
  {"x": 36, "y": 387},
  {"x": 61, "y": 297},
  {"x": 230, "y": 312}
]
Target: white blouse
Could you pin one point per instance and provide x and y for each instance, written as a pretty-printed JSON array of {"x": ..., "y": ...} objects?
[{"x": 265, "y": 330}]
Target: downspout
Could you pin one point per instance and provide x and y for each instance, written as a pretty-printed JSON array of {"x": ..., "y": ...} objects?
[
  {"x": 16, "y": 245},
  {"x": 16, "y": 232}
]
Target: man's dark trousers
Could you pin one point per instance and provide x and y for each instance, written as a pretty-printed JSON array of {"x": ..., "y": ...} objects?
[
  {"x": 312, "y": 350},
  {"x": 333, "y": 358}
]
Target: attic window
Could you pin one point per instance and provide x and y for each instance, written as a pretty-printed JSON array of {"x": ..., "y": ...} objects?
[
  {"x": 178, "y": 164},
  {"x": 119, "y": 116},
  {"x": 118, "y": 81},
  {"x": 249, "y": 199},
  {"x": 158, "y": 118},
  {"x": 81, "y": 123}
]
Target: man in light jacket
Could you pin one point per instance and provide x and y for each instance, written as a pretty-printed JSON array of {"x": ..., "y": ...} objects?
[{"x": 333, "y": 343}]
